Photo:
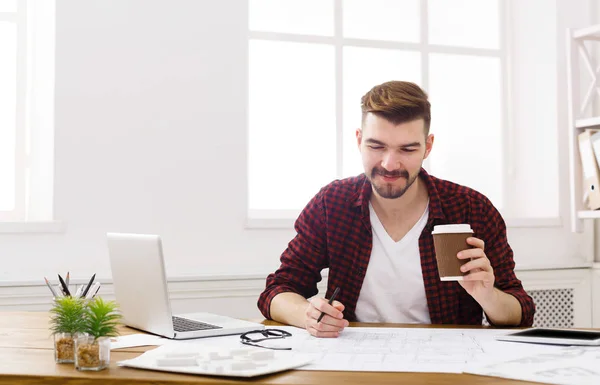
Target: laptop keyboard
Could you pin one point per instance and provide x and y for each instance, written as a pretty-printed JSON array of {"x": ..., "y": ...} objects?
[{"x": 187, "y": 325}]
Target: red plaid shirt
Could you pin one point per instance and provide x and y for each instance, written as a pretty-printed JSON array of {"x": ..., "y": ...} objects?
[{"x": 334, "y": 231}]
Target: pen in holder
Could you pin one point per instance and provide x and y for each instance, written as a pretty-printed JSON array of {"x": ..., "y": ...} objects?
[
  {"x": 62, "y": 289},
  {"x": 87, "y": 288}
]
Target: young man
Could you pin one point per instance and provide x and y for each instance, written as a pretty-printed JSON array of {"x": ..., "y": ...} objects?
[{"x": 373, "y": 232}]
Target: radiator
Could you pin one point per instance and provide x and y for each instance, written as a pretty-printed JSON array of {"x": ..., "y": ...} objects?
[{"x": 553, "y": 308}]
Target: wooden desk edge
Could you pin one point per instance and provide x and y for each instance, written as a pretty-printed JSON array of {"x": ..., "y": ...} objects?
[{"x": 21, "y": 366}]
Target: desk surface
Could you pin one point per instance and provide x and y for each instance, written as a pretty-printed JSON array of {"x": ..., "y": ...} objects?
[{"x": 27, "y": 357}]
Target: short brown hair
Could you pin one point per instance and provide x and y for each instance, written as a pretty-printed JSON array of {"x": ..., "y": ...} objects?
[{"x": 397, "y": 102}]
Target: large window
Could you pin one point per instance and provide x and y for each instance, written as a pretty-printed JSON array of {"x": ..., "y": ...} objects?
[
  {"x": 11, "y": 90},
  {"x": 26, "y": 109},
  {"x": 310, "y": 61}
]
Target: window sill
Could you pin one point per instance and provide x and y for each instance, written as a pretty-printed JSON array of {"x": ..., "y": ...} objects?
[
  {"x": 270, "y": 223},
  {"x": 288, "y": 223},
  {"x": 533, "y": 222},
  {"x": 33, "y": 227},
  {"x": 554, "y": 266}
]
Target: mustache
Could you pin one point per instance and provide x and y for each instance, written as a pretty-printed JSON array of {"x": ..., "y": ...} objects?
[{"x": 390, "y": 174}]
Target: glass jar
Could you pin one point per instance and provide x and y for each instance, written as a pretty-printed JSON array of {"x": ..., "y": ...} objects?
[
  {"x": 64, "y": 348},
  {"x": 90, "y": 353}
]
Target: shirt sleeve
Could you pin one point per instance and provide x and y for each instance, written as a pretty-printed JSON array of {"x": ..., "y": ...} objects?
[
  {"x": 302, "y": 261},
  {"x": 500, "y": 255}
]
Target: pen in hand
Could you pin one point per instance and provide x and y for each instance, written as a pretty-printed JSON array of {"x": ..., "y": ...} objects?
[{"x": 335, "y": 293}]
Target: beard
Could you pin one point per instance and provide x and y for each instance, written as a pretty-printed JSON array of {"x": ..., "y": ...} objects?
[{"x": 388, "y": 190}]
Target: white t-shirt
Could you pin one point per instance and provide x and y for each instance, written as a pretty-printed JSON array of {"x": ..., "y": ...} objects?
[{"x": 393, "y": 288}]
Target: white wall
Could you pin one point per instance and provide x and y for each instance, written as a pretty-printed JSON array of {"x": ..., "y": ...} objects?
[
  {"x": 151, "y": 106},
  {"x": 534, "y": 48},
  {"x": 150, "y": 137}
]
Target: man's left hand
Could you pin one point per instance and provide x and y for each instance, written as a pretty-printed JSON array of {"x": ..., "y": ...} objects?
[{"x": 479, "y": 282}]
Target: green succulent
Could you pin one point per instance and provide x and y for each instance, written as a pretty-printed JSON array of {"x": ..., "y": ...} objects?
[
  {"x": 68, "y": 315},
  {"x": 102, "y": 318}
]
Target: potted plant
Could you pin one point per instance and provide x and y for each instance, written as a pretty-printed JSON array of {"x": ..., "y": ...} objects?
[
  {"x": 92, "y": 347},
  {"x": 66, "y": 320}
]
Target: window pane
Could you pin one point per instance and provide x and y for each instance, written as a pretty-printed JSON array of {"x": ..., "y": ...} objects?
[
  {"x": 8, "y": 95},
  {"x": 466, "y": 105},
  {"x": 365, "y": 68},
  {"x": 308, "y": 17},
  {"x": 291, "y": 123},
  {"x": 465, "y": 23},
  {"x": 8, "y": 5},
  {"x": 394, "y": 20}
]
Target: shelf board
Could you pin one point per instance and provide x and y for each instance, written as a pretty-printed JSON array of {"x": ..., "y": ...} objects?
[
  {"x": 588, "y": 122},
  {"x": 588, "y": 214},
  {"x": 586, "y": 32}
]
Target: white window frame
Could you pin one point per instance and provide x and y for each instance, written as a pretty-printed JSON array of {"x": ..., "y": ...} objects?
[
  {"x": 19, "y": 18},
  {"x": 285, "y": 218},
  {"x": 34, "y": 152}
]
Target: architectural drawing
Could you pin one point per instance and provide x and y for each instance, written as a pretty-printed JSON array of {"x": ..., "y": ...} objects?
[
  {"x": 569, "y": 365},
  {"x": 375, "y": 349}
]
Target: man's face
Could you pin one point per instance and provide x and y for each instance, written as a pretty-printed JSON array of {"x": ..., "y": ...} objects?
[{"x": 392, "y": 155}]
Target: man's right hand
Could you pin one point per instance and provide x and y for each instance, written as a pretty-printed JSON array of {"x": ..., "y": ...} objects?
[
  {"x": 293, "y": 309},
  {"x": 331, "y": 324}
]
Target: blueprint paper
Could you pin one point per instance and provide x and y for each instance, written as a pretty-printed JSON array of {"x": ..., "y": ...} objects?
[
  {"x": 405, "y": 349},
  {"x": 567, "y": 366},
  {"x": 397, "y": 349},
  {"x": 474, "y": 351},
  {"x": 133, "y": 340}
]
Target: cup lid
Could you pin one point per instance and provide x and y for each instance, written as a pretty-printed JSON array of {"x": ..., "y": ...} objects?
[{"x": 458, "y": 228}]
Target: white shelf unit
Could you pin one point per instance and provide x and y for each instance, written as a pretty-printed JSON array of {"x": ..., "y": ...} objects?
[
  {"x": 587, "y": 122},
  {"x": 579, "y": 55}
]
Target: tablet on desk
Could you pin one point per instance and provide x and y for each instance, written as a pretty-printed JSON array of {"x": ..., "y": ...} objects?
[{"x": 554, "y": 336}]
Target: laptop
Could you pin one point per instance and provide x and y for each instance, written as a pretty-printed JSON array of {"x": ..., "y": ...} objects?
[{"x": 140, "y": 287}]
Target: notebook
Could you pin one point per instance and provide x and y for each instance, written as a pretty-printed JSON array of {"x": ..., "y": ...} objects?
[{"x": 140, "y": 287}]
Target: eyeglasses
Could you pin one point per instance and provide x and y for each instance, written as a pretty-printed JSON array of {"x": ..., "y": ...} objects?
[{"x": 253, "y": 338}]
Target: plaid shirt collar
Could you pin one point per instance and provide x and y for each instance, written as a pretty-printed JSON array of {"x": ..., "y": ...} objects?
[{"x": 363, "y": 195}]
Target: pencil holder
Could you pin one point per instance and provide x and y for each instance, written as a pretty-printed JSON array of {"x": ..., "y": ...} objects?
[
  {"x": 64, "y": 348},
  {"x": 92, "y": 347},
  {"x": 91, "y": 353}
]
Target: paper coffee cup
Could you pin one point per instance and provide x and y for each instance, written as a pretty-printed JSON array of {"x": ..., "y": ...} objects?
[{"x": 449, "y": 240}]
